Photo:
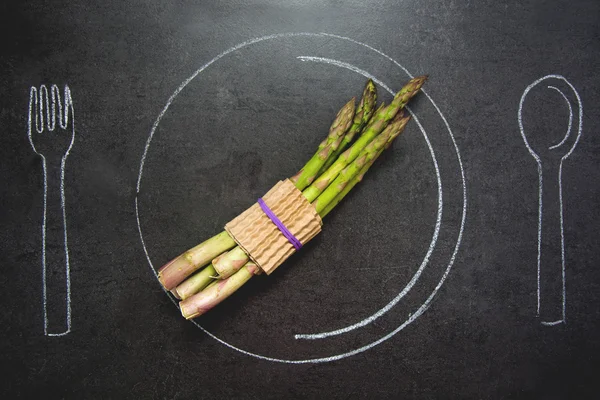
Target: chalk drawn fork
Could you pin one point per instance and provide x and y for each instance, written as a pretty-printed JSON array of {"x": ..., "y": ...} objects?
[
  {"x": 51, "y": 132},
  {"x": 551, "y": 292}
]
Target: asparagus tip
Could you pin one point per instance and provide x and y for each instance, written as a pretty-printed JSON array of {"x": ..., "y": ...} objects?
[{"x": 370, "y": 86}]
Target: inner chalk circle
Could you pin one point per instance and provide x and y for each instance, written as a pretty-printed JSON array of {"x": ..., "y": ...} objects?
[{"x": 413, "y": 316}]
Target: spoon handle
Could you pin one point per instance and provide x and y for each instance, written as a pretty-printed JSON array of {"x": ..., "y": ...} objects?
[{"x": 551, "y": 253}]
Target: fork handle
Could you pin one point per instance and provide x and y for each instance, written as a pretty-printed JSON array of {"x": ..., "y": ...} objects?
[
  {"x": 551, "y": 262},
  {"x": 56, "y": 283}
]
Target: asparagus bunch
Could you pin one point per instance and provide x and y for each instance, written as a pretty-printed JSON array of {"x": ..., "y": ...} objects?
[{"x": 335, "y": 168}]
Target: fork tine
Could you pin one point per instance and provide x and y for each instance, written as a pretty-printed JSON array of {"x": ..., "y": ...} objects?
[
  {"x": 39, "y": 119},
  {"x": 45, "y": 103},
  {"x": 33, "y": 112},
  {"x": 35, "y": 101},
  {"x": 33, "y": 107},
  {"x": 55, "y": 95},
  {"x": 68, "y": 110}
]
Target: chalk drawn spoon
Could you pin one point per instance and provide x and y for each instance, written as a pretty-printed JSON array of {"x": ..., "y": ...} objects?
[
  {"x": 551, "y": 288},
  {"x": 51, "y": 132}
]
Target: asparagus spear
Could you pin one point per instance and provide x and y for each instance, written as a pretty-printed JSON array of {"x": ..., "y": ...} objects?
[
  {"x": 364, "y": 112},
  {"x": 359, "y": 177},
  {"x": 174, "y": 272},
  {"x": 230, "y": 262},
  {"x": 338, "y": 128},
  {"x": 195, "y": 283},
  {"x": 378, "y": 122},
  {"x": 211, "y": 296}
]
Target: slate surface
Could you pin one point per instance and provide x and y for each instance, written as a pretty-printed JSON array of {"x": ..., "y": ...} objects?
[{"x": 467, "y": 328}]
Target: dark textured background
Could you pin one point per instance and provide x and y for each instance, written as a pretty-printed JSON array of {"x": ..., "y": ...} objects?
[{"x": 254, "y": 117}]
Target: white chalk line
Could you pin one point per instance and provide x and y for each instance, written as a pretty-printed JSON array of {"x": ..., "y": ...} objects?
[
  {"x": 539, "y": 235},
  {"x": 414, "y": 316},
  {"x": 416, "y": 276},
  {"x": 540, "y": 181},
  {"x": 560, "y": 321},
  {"x": 63, "y": 122},
  {"x": 562, "y": 243},
  {"x": 570, "y": 118}
]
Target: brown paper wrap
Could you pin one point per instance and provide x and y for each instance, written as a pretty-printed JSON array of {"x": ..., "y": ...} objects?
[{"x": 260, "y": 238}]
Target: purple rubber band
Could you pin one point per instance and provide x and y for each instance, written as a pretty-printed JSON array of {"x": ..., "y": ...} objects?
[{"x": 295, "y": 242}]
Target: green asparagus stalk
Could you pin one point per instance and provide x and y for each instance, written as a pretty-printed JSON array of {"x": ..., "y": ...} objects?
[
  {"x": 195, "y": 283},
  {"x": 364, "y": 157},
  {"x": 338, "y": 128},
  {"x": 358, "y": 178},
  {"x": 378, "y": 122},
  {"x": 364, "y": 112},
  {"x": 174, "y": 272},
  {"x": 230, "y": 262},
  {"x": 211, "y": 296}
]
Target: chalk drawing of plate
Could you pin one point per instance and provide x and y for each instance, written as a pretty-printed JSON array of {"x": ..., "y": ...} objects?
[{"x": 259, "y": 109}]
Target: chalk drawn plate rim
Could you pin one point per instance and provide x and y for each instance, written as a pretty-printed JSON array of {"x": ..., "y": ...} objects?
[{"x": 414, "y": 315}]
